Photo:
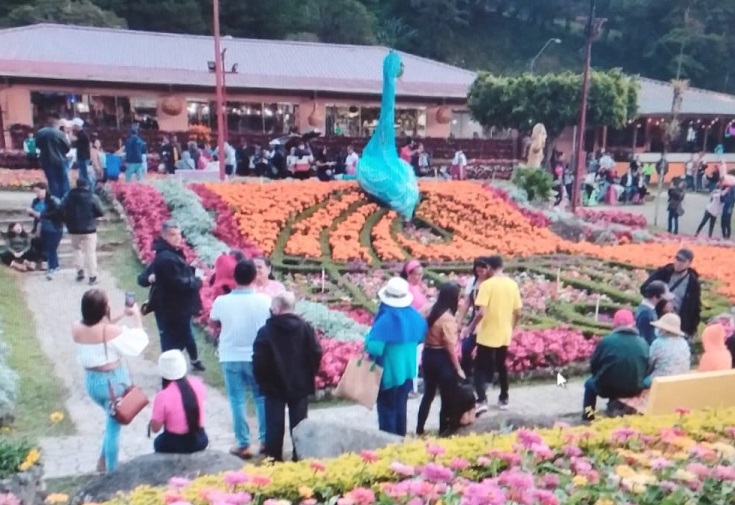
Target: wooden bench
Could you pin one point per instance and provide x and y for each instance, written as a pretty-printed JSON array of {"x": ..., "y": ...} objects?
[{"x": 692, "y": 391}]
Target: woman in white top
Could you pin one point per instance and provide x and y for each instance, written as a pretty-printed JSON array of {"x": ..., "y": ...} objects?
[{"x": 100, "y": 345}]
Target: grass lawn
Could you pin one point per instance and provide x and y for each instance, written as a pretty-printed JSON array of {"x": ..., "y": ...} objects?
[{"x": 40, "y": 392}]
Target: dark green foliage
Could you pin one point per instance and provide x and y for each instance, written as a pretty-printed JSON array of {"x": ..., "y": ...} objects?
[{"x": 536, "y": 182}]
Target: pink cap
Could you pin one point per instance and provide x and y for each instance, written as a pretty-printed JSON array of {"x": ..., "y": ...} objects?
[
  {"x": 411, "y": 266},
  {"x": 623, "y": 317}
]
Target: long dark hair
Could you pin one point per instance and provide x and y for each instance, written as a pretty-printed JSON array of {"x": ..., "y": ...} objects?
[
  {"x": 191, "y": 405},
  {"x": 11, "y": 234},
  {"x": 447, "y": 300}
]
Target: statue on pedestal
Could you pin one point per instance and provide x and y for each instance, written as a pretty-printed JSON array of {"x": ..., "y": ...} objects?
[{"x": 536, "y": 147}]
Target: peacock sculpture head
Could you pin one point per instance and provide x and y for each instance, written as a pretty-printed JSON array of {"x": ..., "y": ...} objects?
[{"x": 392, "y": 66}]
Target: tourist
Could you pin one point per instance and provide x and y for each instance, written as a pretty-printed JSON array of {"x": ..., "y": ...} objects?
[
  {"x": 683, "y": 282},
  {"x": 83, "y": 145},
  {"x": 413, "y": 272},
  {"x": 618, "y": 365},
  {"x": 325, "y": 165},
  {"x": 351, "y": 161},
  {"x": 286, "y": 359},
  {"x": 664, "y": 307},
  {"x": 728, "y": 202},
  {"x": 458, "y": 169},
  {"x": 406, "y": 151},
  {"x": 100, "y": 345},
  {"x": 178, "y": 408},
  {"x": 716, "y": 355},
  {"x": 498, "y": 310},
  {"x": 18, "y": 253},
  {"x": 675, "y": 205},
  {"x": 645, "y": 314},
  {"x": 99, "y": 161},
  {"x": 46, "y": 208},
  {"x": 29, "y": 147},
  {"x": 240, "y": 314},
  {"x": 670, "y": 354},
  {"x": 690, "y": 172},
  {"x": 711, "y": 212},
  {"x": 223, "y": 278},
  {"x": 480, "y": 272},
  {"x": 170, "y": 155},
  {"x": 439, "y": 359},
  {"x": 265, "y": 282},
  {"x": 230, "y": 159},
  {"x": 82, "y": 208},
  {"x": 174, "y": 297},
  {"x": 392, "y": 342},
  {"x": 134, "y": 151},
  {"x": 53, "y": 145}
]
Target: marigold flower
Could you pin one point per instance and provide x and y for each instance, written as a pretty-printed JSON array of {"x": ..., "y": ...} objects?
[{"x": 56, "y": 417}]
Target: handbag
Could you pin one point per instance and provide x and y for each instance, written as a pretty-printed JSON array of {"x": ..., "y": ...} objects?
[
  {"x": 360, "y": 382},
  {"x": 147, "y": 307},
  {"x": 130, "y": 403}
]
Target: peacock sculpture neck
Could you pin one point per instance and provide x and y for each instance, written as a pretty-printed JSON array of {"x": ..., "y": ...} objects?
[{"x": 380, "y": 171}]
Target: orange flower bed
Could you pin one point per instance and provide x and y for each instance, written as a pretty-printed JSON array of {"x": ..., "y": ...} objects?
[
  {"x": 26, "y": 178},
  {"x": 345, "y": 238},
  {"x": 305, "y": 234},
  {"x": 384, "y": 245},
  {"x": 262, "y": 210}
]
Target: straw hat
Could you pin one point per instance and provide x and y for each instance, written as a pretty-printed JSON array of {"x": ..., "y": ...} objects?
[
  {"x": 395, "y": 293},
  {"x": 669, "y": 323},
  {"x": 172, "y": 365}
]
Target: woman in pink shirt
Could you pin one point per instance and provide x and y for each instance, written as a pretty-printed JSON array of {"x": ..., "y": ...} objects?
[
  {"x": 414, "y": 274},
  {"x": 264, "y": 281},
  {"x": 178, "y": 409}
]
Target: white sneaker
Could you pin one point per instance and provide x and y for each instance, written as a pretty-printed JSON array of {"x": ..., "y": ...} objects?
[
  {"x": 503, "y": 404},
  {"x": 480, "y": 408}
]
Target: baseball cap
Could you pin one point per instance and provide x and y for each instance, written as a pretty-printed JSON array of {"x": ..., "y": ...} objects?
[
  {"x": 623, "y": 317},
  {"x": 658, "y": 288},
  {"x": 684, "y": 255}
]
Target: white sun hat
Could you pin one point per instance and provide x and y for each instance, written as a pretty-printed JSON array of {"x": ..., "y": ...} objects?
[
  {"x": 669, "y": 323},
  {"x": 395, "y": 293},
  {"x": 172, "y": 365}
]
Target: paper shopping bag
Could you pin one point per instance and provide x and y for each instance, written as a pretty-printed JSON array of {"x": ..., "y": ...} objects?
[{"x": 361, "y": 382}]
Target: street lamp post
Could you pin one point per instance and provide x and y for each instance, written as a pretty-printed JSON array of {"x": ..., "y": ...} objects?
[
  {"x": 589, "y": 35},
  {"x": 532, "y": 63},
  {"x": 219, "y": 85}
]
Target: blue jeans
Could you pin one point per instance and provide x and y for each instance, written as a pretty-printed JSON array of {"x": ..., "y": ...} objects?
[
  {"x": 57, "y": 177},
  {"x": 87, "y": 173},
  {"x": 51, "y": 240},
  {"x": 590, "y": 399},
  {"x": 134, "y": 169},
  {"x": 97, "y": 388},
  {"x": 392, "y": 408},
  {"x": 174, "y": 443},
  {"x": 239, "y": 378}
]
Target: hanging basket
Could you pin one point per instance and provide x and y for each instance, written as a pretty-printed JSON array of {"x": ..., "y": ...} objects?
[
  {"x": 444, "y": 115},
  {"x": 172, "y": 105}
]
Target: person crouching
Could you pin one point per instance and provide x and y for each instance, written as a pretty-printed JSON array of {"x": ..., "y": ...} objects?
[{"x": 286, "y": 359}]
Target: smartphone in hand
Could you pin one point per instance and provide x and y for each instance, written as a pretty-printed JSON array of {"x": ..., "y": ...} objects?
[{"x": 129, "y": 299}]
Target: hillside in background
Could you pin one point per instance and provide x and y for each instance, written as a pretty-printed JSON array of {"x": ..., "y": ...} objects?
[{"x": 653, "y": 38}]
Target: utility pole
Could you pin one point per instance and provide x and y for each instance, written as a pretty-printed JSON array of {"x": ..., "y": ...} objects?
[
  {"x": 590, "y": 29},
  {"x": 219, "y": 85}
]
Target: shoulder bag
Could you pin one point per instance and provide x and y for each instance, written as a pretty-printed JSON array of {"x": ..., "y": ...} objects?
[{"x": 130, "y": 403}]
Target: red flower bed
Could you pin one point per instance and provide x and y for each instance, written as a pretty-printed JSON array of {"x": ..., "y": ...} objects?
[
  {"x": 226, "y": 229},
  {"x": 551, "y": 348},
  {"x": 360, "y": 315},
  {"x": 613, "y": 216}
]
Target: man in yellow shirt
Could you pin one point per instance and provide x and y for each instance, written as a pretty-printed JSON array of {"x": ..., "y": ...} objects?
[{"x": 498, "y": 310}]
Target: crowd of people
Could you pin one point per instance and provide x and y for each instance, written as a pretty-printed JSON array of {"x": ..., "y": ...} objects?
[{"x": 654, "y": 341}]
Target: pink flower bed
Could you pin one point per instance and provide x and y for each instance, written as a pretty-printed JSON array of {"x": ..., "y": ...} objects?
[
  {"x": 335, "y": 356},
  {"x": 226, "y": 229},
  {"x": 550, "y": 348},
  {"x": 358, "y": 314},
  {"x": 613, "y": 216}
]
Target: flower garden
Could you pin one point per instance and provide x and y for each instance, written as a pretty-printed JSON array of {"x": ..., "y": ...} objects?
[{"x": 334, "y": 247}]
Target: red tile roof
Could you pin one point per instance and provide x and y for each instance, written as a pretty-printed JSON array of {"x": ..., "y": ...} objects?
[{"x": 65, "y": 52}]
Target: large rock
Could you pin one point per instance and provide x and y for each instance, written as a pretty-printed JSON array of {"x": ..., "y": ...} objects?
[
  {"x": 320, "y": 439},
  {"x": 507, "y": 421},
  {"x": 155, "y": 470}
]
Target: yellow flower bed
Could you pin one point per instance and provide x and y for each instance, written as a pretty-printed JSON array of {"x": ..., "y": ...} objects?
[{"x": 295, "y": 480}]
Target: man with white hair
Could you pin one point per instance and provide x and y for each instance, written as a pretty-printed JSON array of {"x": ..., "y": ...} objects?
[{"x": 286, "y": 359}]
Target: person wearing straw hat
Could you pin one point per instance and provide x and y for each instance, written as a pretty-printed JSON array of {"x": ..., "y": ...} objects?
[
  {"x": 178, "y": 409},
  {"x": 392, "y": 343},
  {"x": 670, "y": 353}
]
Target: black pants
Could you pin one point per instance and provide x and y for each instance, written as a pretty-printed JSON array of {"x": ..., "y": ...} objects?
[
  {"x": 176, "y": 332},
  {"x": 726, "y": 223},
  {"x": 438, "y": 374},
  {"x": 172, "y": 443},
  {"x": 275, "y": 419},
  {"x": 8, "y": 257},
  {"x": 488, "y": 361},
  {"x": 673, "y": 222},
  {"x": 707, "y": 218}
]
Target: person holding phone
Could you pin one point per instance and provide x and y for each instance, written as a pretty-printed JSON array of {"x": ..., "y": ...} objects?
[{"x": 174, "y": 297}]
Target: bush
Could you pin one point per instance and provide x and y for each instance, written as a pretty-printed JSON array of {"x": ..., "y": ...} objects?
[
  {"x": 536, "y": 182},
  {"x": 8, "y": 386},
  {"x": 15, "y": 456}
]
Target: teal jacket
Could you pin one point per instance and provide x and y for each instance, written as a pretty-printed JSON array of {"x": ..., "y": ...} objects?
[
  {"x": 398, "y": 361},
  {"x": 619, "y": 364}
]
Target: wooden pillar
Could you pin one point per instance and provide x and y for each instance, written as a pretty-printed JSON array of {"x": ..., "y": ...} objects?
[{"x": 604, "y": 138}]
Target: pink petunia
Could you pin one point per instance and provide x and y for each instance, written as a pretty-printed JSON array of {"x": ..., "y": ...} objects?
[{"x": 402, "y": 469}]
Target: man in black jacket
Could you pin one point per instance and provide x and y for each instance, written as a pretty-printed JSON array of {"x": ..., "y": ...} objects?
[
  {"x": 84, "y": 152},
  {"x": 286, "y": 358},
  {"x": 174, "y": 296},
  {"x": 54, "y": 146},
  {"x": 81, "y": 209},
  {"x": 683, "y": 282}
]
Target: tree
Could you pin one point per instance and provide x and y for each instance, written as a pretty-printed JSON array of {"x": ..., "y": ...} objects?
[
  {"x": 552, "y": 99},
  {"x": 170, "y": 16},
  {"x": 340, "y": 21},
  {"x": 68, "y": 12}
]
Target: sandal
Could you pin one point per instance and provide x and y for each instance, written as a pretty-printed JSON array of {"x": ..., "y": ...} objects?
[{"x": 241, "y": 452}]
